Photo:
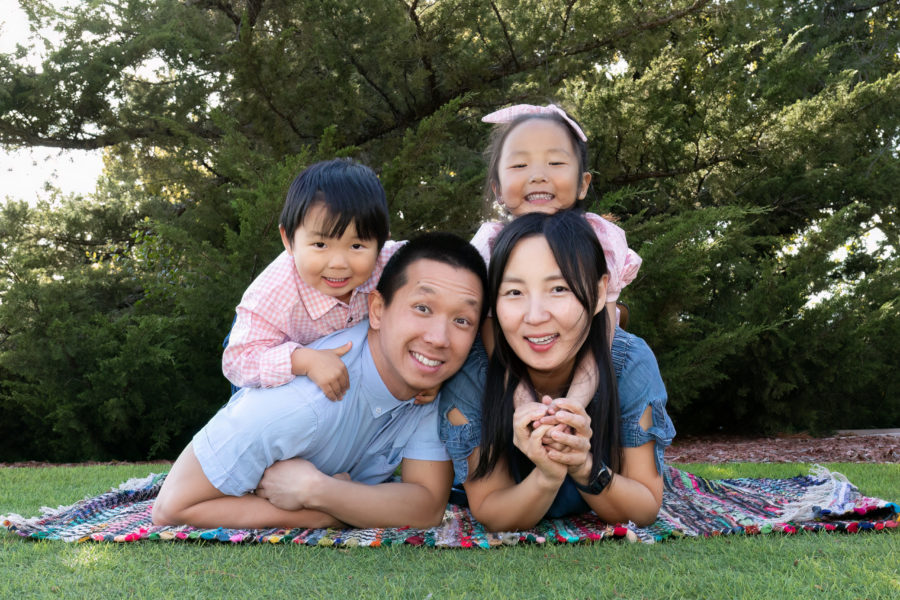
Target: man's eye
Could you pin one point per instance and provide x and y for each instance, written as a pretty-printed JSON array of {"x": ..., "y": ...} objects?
[
  {"x": 463, "y": 322},
  {"x": 422, "y": 308}
]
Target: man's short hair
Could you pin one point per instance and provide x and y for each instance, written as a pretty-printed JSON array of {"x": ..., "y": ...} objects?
[{"x": 437, "y": 246}]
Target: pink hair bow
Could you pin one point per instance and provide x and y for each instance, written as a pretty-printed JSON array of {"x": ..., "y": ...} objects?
[{"x": 510, "y": 113}]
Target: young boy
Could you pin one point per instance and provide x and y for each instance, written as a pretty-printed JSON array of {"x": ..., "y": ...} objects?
[{"x": 334, "y": 227}]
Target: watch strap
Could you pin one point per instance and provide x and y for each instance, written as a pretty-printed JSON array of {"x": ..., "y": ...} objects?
[{"x": 598, "y": 483}]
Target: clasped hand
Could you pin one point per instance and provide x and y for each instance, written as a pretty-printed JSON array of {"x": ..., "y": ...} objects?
[{"x": 555, "y": 435}]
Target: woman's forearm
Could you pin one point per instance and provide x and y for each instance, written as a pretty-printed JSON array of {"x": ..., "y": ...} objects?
[
  {"x": 516, "y": 507},
  {"x": 625, "y": 500}
]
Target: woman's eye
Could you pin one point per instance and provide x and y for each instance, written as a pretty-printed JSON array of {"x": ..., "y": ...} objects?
[
  {"x": 560, "y": 289},
  {"x": 511, "y": 292}
]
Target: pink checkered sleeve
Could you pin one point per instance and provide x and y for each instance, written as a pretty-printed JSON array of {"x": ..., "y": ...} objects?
[
  {"x": 258, "y": 352},
  {"x": 483, "y": 240},
  {"x": 622, "y": 262},
  {"x": 262, "y": 338}
]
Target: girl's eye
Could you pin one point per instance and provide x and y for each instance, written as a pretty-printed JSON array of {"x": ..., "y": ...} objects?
[
  {"x": 358, "y": 247},
  {"x": 557, "y": 163},
  {"x": 318, "y": 244},
  {"x": 518, "y": 166}
]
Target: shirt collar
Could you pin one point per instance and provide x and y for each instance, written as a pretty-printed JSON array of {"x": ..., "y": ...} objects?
[{"x": 374, "y": 391}]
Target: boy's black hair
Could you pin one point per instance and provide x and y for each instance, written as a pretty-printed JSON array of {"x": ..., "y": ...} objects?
[
  {"x": 437, "y": 246},
  {"x": 351, "y": 193}
]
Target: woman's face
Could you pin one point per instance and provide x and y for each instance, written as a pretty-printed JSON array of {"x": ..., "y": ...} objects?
[{"x": 540, "y": 317}]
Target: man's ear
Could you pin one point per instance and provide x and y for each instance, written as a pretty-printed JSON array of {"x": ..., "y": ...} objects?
[
  {"x": 376, "y": 309},
  {"x": 285, "y": 240},
  {"x": 601, "y": 293},
  {"x": 585, "y": 182}
]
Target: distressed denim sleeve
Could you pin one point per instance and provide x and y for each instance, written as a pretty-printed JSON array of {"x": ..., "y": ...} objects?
[{"x": 640, "y": 385}]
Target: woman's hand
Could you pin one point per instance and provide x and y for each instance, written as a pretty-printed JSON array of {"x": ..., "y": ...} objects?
[
  {"x": 572, "y": 444},
  {"x": 529, "y": 440}
]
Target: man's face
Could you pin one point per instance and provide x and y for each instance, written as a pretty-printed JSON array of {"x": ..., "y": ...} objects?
[{"x": 424, "y": 335}]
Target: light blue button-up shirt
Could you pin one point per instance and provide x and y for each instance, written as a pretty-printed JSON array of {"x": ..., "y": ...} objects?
[{"x": 366, "y": 434}]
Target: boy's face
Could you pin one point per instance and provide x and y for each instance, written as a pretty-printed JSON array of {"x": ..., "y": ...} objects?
[
  {"x": 425, "y": 334},
  {"x": 334, "y": 266}
]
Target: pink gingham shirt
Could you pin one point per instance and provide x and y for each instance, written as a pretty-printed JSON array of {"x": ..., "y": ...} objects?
[
  {"x": 279, "y": 313},
  {"x": 621, "y": 261}
]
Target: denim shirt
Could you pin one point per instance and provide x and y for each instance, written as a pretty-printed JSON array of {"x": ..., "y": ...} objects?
[{"x": 639, "y": 383}]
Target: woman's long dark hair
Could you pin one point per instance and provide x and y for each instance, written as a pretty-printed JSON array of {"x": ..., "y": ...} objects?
[{"x": 582, "y": 264}]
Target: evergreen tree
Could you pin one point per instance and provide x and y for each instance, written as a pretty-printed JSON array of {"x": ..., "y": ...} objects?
[{"x": 747, "y": 148}]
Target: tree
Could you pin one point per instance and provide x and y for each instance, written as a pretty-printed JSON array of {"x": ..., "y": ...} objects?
[{"x": 742, "y": 145}]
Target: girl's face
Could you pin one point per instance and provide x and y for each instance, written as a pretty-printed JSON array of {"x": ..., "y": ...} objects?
[
  {"x": 538, "y": 169},
  {"x": 540, "y": 317}
]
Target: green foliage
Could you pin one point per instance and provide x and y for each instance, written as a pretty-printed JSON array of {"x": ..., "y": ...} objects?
[{"x": 747, "y": 148}]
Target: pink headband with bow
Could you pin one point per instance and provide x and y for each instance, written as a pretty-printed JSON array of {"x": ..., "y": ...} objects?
[{"x": 511, "y": 113}]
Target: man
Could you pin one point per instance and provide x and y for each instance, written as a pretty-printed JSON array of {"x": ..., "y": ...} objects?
[{"x": 336, "y": 456}]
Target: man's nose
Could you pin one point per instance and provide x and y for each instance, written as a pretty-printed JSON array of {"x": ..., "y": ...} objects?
[{"x": 438, "y": 333}]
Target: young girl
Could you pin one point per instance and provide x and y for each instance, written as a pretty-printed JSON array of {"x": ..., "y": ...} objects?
[
  {"x": 334, "y": 227},
  {"x": 537, "y": 162},
  {"x": 547, "y": 281}
]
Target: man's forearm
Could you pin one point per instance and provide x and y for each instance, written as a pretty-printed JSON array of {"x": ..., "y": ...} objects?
[{"x": 382, "y": 505}]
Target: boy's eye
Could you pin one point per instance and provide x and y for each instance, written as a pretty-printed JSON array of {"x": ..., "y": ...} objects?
[
  {"x": 318, "y": 244},
  {"x": 358, "y": 247}
]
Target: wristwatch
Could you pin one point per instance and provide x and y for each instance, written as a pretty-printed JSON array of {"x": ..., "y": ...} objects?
[{"x": 598, "y": 483}]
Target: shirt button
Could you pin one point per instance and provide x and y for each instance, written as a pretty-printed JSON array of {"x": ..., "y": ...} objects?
[{"x": 378, "y": 410}]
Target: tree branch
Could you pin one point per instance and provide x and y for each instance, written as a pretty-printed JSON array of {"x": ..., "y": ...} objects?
[{"x": 512, "y": 52}]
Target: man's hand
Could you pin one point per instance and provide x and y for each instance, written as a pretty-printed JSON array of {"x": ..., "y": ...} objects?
[
  {"x": 289, "y": 484},
  {"x": 325, "y": 368}
]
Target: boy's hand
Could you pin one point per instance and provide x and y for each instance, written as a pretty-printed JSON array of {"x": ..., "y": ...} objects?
[
  {"x": 427, "y": 396},
  {"x": 325, "y": 368}
]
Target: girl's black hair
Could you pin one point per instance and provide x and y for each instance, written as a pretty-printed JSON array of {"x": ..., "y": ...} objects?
[
  {"x": 350, "y": 192},
  {"x": 582, "y": 264},
  {"x": 498, "y": 138}
]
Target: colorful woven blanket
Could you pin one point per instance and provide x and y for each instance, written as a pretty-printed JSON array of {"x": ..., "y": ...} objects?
[{"x": 692, "y": 506}]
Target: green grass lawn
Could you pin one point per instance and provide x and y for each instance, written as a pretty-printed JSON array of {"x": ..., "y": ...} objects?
[{"x": 769, "y": 566}]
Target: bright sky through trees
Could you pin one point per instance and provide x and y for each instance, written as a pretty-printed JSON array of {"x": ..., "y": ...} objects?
[{"x": 26, "y": 172}]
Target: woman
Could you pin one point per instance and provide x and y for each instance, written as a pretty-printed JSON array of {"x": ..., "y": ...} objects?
[{"x": 550, "y": 458}]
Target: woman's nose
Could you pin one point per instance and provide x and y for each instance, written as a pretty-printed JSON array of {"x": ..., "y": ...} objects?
[{"x": 536, "y": 312}]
